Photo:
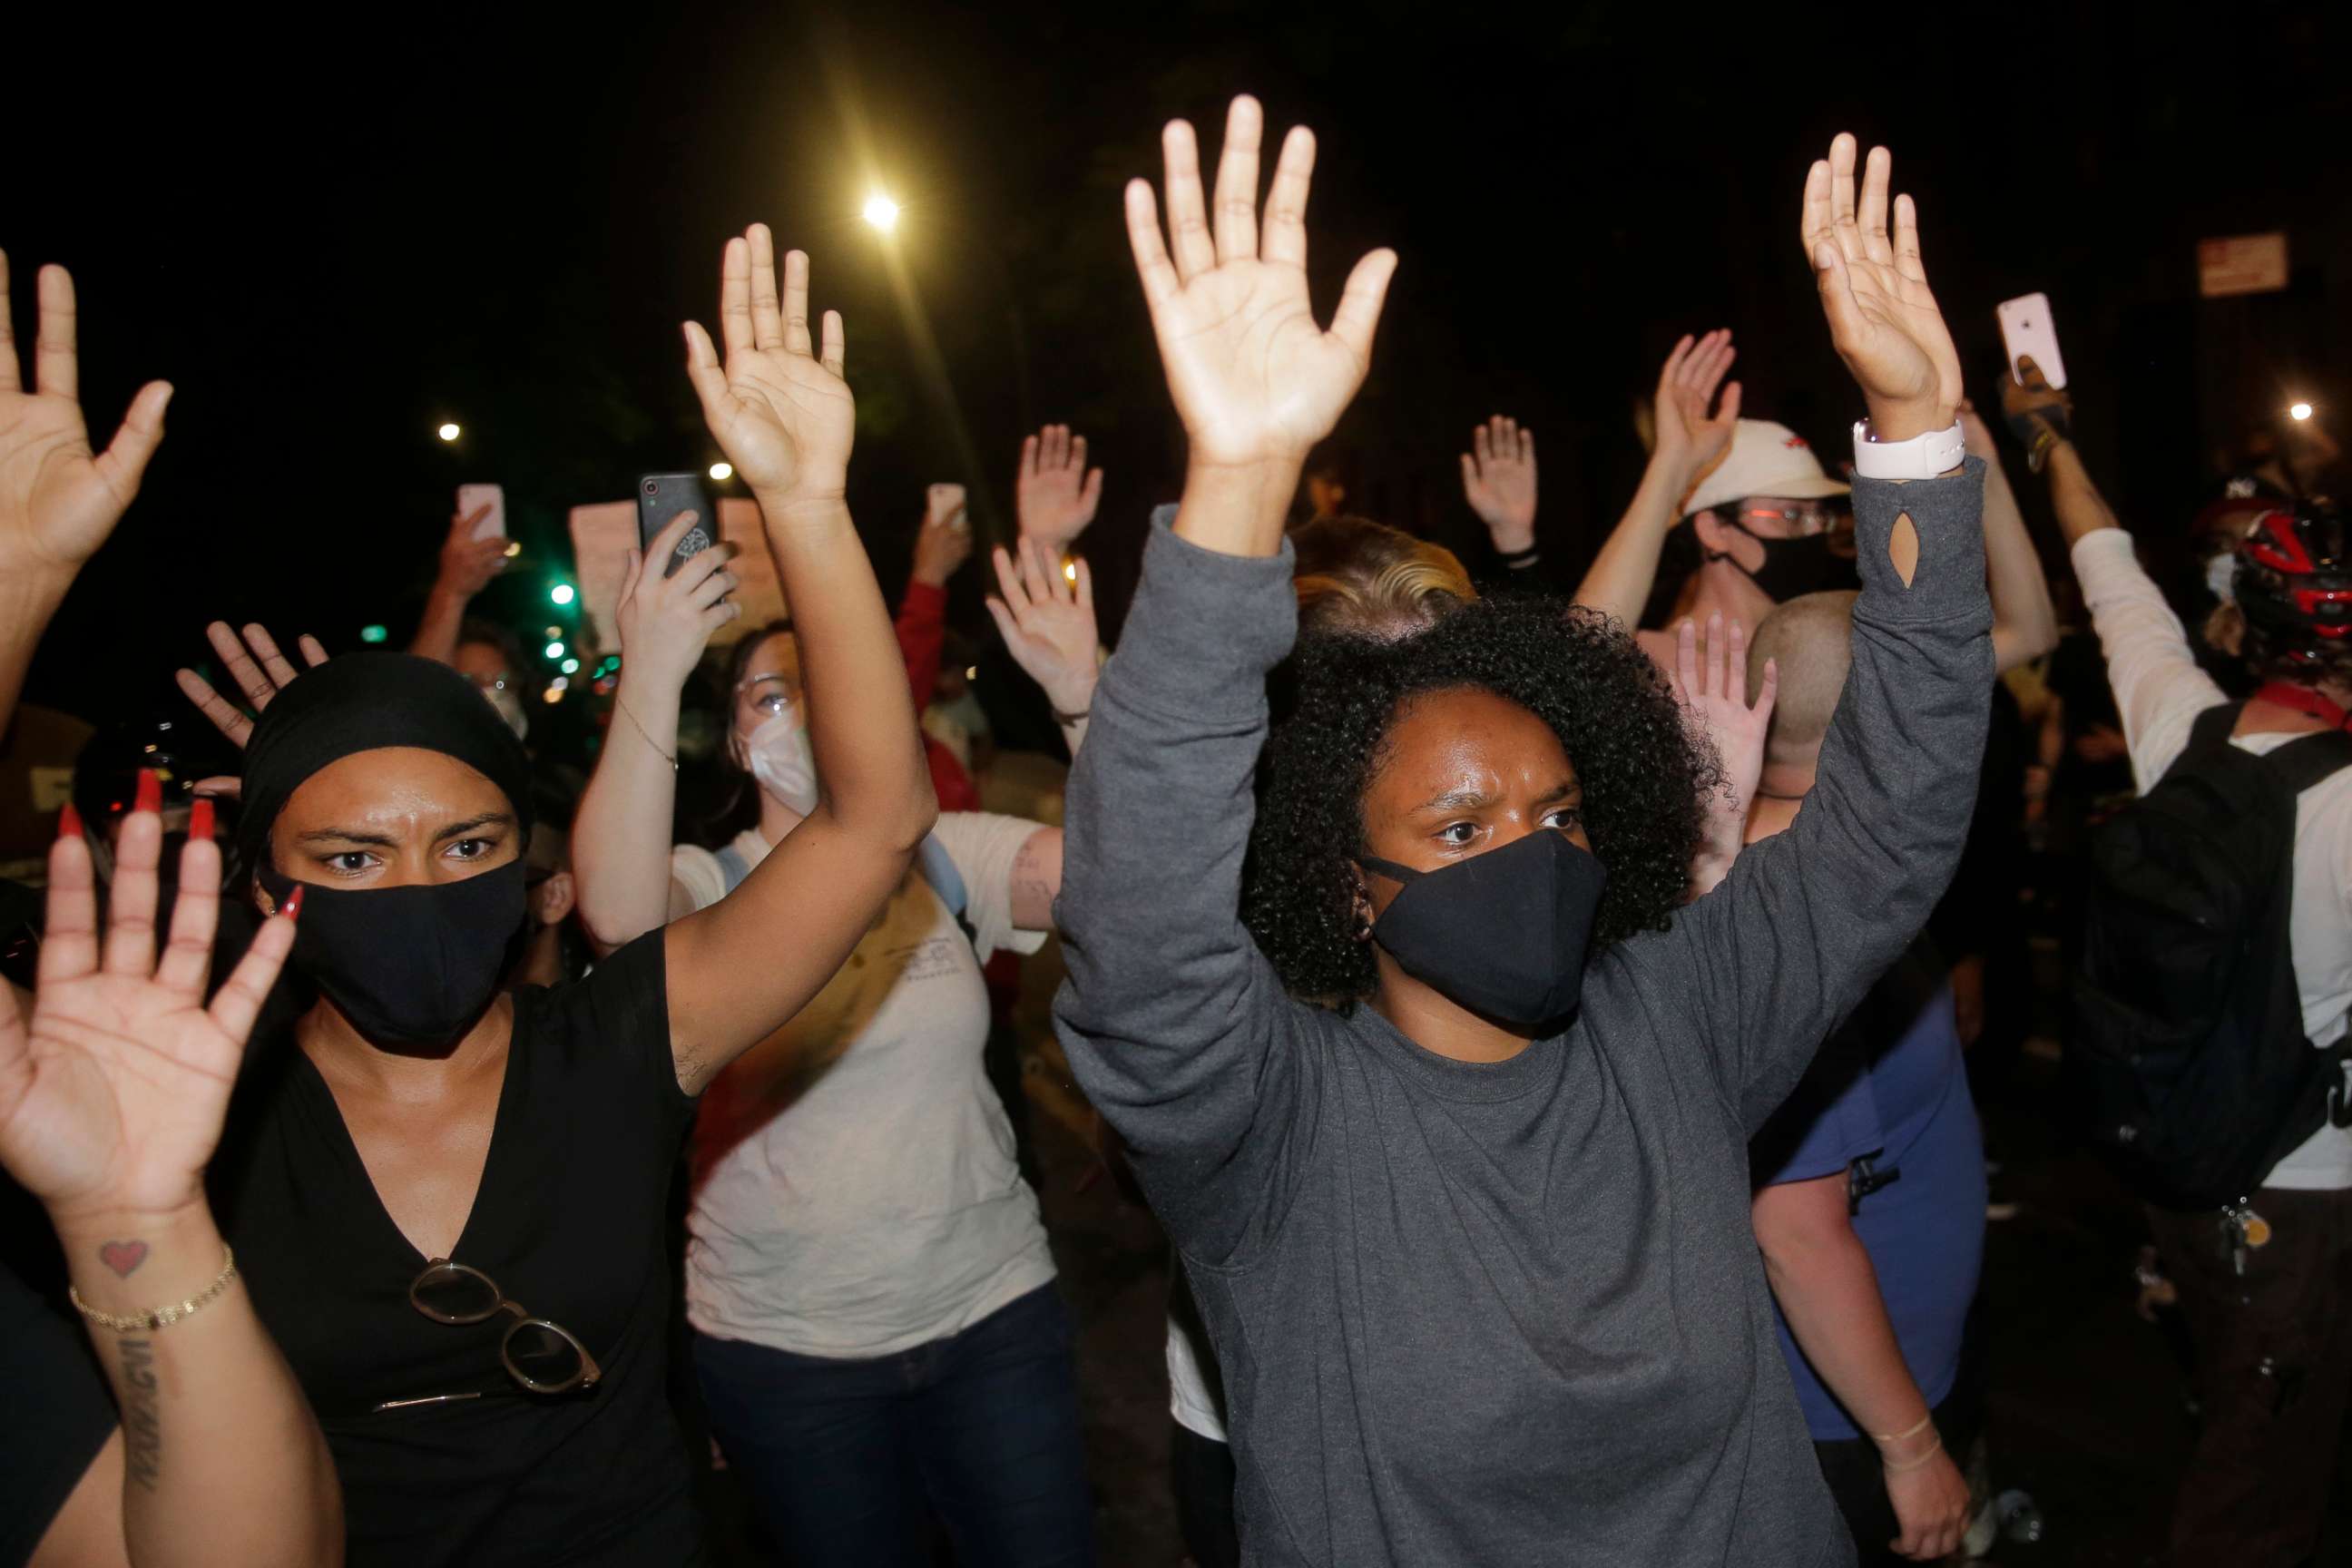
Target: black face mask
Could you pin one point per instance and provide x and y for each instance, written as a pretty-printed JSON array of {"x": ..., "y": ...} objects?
[
  {"x": 412, "y": 967},
  {"x": 1795, "y": 568},
  {"x": 1503, "y": 933}
]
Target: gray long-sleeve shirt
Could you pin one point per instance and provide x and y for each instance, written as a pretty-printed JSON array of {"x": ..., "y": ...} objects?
[{"x": 1508, "y": 1313}]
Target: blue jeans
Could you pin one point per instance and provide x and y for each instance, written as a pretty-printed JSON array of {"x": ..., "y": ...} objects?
[{"x": 841, "y": 1457}]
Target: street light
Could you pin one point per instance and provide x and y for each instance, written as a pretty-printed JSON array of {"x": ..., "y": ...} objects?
[
  {"x": 563, "y": 592},
  {"x": 2299, "y": 411},
  {"x": 882, "y": 212},
  {"x": 448, "y": 430},
  {"x": 722, "y": 472}
]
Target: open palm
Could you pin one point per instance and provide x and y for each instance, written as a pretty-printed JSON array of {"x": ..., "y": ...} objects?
[
  {"x": 1047, "y": 620},
  {"x": 1874, "y": 286},
  {"x": 778, "y": 407},
  {"x": 1253, "y": 378},
  {"x": 111, "y": 1097},
  {"x": 59, "y": 500},
  {"x": 1498, "y": 480},
  {"x": 1055, "y": 494},
  {"x": 1687, "y": 385}
]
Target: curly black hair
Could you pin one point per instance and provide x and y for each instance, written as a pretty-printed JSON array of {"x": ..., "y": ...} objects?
[{"x": 1643, "y": 771}]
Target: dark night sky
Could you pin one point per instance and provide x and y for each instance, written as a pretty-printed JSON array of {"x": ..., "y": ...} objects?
[{"x": 329, "y": 246}]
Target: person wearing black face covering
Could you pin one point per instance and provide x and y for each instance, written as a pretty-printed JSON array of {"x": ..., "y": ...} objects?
[
  {"x": 1467, "y": 1217},
  {"x": 451, "y": 1201},
  {"x": 1762, "y": 522}
]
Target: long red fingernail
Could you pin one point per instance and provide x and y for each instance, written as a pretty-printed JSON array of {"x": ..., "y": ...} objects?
[
  {"x": 68, "y": 821},
  {"x": 151, "y": 792},
  {"x": 200, "y": 818},
  {"x": 293, "y": 909}
]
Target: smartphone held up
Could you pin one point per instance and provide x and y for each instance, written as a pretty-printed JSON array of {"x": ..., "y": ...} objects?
[
  {"x": 2028, "y": 332},
  {"x": 660, "y": 498}
]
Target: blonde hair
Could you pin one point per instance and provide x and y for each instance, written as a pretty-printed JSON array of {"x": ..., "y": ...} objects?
[
  {"x": 1811, "y": 640},
  {"x": 1355, "y": 577}
]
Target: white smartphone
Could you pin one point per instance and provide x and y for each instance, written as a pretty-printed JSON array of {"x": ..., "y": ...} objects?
[
  {"x": 472, "y": 496},
  {"x": 2028, "y": 332}
]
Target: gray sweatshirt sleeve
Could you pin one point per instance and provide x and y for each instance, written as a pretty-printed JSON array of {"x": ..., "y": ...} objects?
[
  {"x": 1177, "y": 1028},
  {"x": 1785, "y": 946}
]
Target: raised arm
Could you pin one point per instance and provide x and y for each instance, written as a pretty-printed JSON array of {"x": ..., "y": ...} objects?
[
  {"x": 1805, "y": 921},
  {"x": 112, "y": 1100},
  {"x": 942, "y": 545},
  {"x": 621, "y": 837},
  {"x": 1688, "y": 443},
  {"x": 783, "y": 415},
  {"x": 58, "y": 501},
  {"x": 2159, "y": 687},
  {"x": 1173, "y": 1022},
  {"x": 1047, "y": 621},
  {"x": 467, "y": 564},
  {"x": 1054, "y": 493},
  {"x": 2024, "y": 622}
]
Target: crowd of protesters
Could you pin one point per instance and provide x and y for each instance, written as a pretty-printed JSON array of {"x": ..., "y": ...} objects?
[{"x": 1536, "y": 1005}]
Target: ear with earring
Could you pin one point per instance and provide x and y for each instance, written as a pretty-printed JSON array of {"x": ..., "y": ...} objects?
[{"x": 1361, "y": 901}]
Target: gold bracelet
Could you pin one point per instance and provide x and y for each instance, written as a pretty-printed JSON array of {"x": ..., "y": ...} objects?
[
  {"x": 161, "y": 1317},
  {"x": 1882, "y": 1439},
  {"x": 641, "y": 730},
  {"x": 1917, "y": 1460}
]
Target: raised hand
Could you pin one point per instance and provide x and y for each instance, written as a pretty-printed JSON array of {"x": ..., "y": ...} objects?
[
  {"x": 1048, "y": 622},
  {"x": 1875, "y": 292},
  {"x": 1056, "y": 493},
  {"x": 468, "y": 563},
  {"x": 944, "y": 542},
  {"x": 1715, "y": 702},
  {"x": 665, "y": 622},
  {"x": 259, "y": 681},
  {"x": 778, "y": 407},
  {"x": 1253, "y": 379},
  {"x": 1687, "y": 436},
  {"x": 57, "y": 500},
  {"x": 1498, "y": 481},
  {"x": 111, "y": 1097}
]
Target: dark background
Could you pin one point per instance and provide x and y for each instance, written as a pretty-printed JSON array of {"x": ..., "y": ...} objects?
[{"x": 335, "y": 229}]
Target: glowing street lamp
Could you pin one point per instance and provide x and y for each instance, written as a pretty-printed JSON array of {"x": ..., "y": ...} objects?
[
  {"x": 2299, "y": 411},
  {"x": 448, "y": 430},
  {"x": 882, "y": 212}
]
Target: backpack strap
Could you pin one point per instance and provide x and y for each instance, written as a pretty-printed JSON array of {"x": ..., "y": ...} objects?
[
  {"x": 2314, "y": 758},
  {"x": 2214, "y": 726}
]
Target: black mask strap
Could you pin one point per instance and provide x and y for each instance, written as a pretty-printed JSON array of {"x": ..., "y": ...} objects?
[{"x": 1389, "y": 868}]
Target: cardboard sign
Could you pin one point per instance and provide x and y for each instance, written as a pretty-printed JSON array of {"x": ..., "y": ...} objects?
[
  {"x": 603, "y": 534},
  {"x": 2248, "y": 264}
]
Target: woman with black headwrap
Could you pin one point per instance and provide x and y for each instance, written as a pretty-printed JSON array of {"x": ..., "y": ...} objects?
[{"x": 450, "y": 1200}]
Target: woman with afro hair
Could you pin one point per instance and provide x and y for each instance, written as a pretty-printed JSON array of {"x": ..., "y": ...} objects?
[{"x": 1451, "y": 1133}]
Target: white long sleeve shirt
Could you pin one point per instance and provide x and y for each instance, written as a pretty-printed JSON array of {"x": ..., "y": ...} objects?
[{"x": 2159, "y": 690}]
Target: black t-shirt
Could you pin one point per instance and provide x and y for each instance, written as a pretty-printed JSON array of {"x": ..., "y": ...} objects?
[
  {"x": 58, "y": 1416},
  {"x": 569, "y": 1221}
]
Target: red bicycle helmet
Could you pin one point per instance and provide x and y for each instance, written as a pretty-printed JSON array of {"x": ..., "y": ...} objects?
[{"x": 2294, "y": 582}]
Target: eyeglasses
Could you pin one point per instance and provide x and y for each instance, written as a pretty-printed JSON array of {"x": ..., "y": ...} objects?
[
  {"x": 777, "y": 692},
  {"x": 1802, "y": 522},
  {"x": 542, "y": 1356}
]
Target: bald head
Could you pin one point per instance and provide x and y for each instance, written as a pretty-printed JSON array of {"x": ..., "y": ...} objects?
[{"x": 1811, "y": 639}]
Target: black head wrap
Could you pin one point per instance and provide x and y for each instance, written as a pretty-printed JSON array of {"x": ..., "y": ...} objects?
[{"x": 360, "y": 702}]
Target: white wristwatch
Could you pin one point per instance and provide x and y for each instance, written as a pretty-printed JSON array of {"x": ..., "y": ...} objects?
[{"x": 1920, "y": 457}]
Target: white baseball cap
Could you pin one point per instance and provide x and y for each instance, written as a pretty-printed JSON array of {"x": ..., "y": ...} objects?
[{"x": 1763, "y": 459}]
